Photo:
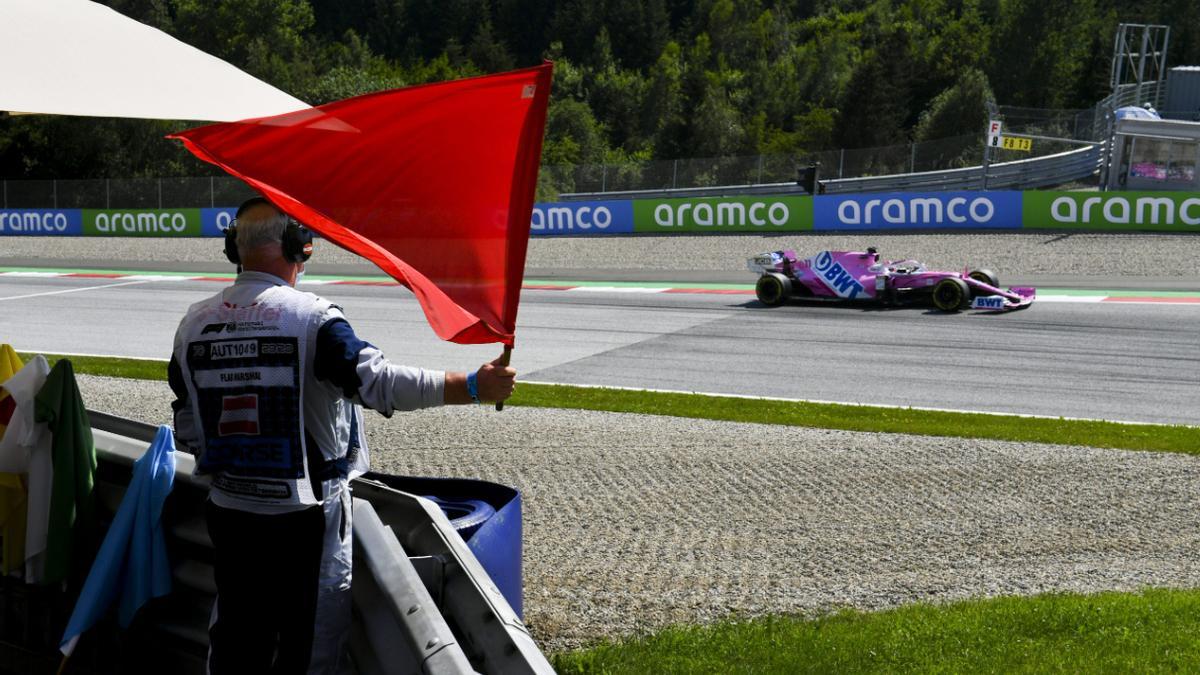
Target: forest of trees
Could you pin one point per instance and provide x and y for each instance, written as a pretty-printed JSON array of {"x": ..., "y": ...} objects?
[{"x": 643, "y": 79}]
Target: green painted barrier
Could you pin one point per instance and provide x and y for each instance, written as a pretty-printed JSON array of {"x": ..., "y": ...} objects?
[
  {"x": 1147, "y": 211},
  {"x": 723, "y": 214},
  {"x": 141, "y": 222}
]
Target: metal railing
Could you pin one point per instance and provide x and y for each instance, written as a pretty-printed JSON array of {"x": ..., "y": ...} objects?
[
  {"x": 124, "y": 193},
  {"x": 1082, "y": 164},
  {"x": 837, "y": 167}
]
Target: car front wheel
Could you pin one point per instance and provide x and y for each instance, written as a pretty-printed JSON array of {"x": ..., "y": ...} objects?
[{"x": 951, "y": 294}]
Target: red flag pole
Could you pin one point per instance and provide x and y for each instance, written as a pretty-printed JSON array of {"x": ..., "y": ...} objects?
[{"x": 504, "y": 359}]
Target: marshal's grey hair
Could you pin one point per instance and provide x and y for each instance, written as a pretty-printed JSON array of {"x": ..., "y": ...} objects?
[{"x": 259, "y": 227}]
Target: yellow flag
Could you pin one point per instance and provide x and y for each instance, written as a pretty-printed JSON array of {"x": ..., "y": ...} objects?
[{"x": 12, "y": 487}]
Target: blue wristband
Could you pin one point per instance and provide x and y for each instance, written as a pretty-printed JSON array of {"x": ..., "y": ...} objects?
[{"x": 473, "y": 386}]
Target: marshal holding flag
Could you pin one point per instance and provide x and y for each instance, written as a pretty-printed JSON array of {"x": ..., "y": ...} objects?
[{"x": 434, "y": 184}]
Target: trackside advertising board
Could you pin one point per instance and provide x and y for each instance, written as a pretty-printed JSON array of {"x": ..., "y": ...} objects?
[
  {"x": 919, "y": 211},
  {"x": 582, "y": 218},
  {"x": 41, "y": 222},
  {"x": 757, "y": 214},
  {"x": 1151, "y": 211},
  {"x": 141, "y": 222}
]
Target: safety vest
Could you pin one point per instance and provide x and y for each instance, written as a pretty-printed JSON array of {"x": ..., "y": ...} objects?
[{"x": 246, "y": 370}]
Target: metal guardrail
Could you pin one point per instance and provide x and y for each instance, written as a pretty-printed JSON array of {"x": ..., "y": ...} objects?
[
  {"x": 423, "y": 602},
  {"x": 1039, "y": 172}
]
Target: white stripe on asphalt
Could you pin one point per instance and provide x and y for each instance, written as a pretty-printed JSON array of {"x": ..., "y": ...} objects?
[
  {"x": 719, "y": 395},
  {"x": 75, "y": 290},
  {"x": 862, "y": 405},
  {"x": 615, "y": 289},
  {"x": 1071, "y": 298}
]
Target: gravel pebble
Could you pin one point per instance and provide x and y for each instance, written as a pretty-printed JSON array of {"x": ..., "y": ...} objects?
[
  {"x": 634, "y": 522},
  {"x": 1011, "y": 254}
]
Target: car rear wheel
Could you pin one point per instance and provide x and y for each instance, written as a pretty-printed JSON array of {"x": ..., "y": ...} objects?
[
  {"x": 985, "y": 276},
  {"x": 773, "y": 289},
  {"x": 951, "y": 294}
]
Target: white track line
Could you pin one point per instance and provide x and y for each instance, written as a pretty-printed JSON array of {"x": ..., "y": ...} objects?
[
  {"x": 76, "y": 290},
  {"x": 1071, "y": 298},
  {"x": 615, "y": 289},
  {"x": 862, "y": 405},
  {"x": 719, "y": 395}
]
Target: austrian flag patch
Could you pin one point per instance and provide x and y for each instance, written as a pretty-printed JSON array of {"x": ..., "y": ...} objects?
[{"x": 239, "y": 415}]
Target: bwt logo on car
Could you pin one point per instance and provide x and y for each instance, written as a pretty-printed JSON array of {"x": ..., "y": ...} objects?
[
  {"x": 552, "y": 218},
  {"x": 722, "y": 214},
  {"x": 1144, "y": 210},
  {"x": 988, "y": 302},
  {"x": 837, "y": 277},
  {"x": 34, "y": 221},
  {"x": 164, "y": 221},
  {"x": 917, "y": 211}
]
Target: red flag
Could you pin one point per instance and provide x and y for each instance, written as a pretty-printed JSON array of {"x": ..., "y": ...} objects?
[{"x": 434, "y": 184}]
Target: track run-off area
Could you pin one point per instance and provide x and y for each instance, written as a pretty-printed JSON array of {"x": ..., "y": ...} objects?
[
  {"x": 1118, "y": 355},
  {"x": 636, "y": 522}
]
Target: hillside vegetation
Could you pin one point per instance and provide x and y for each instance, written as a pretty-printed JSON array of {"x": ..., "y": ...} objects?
[{"x": 643, "y": 79}]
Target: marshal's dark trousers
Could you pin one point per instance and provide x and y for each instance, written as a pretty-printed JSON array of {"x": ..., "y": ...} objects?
[{"x": 267, "y": 571}]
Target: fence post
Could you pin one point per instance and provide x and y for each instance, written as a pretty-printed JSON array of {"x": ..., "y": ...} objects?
[
  {"x": 54, "y": 186},
  {"x": 987, "y": 158},
  {"x": 604, "y": 178},
  {"x": 212, "y": 193},
  {"x": 841, "y": 161},
  {"x": 674, "y": 173},
  {"x": 760, "y": 163},
  {"x": 912, "y": 158},
  {"x": 159, "y": 181},
  {"x": 107, "y": 200},
  {"x": 5, "y": 193}
]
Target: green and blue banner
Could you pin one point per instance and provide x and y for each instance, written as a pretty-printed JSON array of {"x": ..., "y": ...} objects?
[
  {"x": 755, "y": 214},
  {"x": 1145, "y": 211},
  {"x": 764, "y": 214}
]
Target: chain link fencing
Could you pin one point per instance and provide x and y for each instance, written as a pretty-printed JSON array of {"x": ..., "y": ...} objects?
[{"x": 937, "y": 155}]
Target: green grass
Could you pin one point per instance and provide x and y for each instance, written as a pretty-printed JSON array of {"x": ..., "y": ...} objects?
[
  {"x": 134, "y": 369},
  {"x": 1153, "y": 631},
  {"x": 1160, "y": 438},
  {"x": 862, "y": 418}
]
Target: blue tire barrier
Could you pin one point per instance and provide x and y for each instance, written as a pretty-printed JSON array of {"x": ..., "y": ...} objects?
[
  {"x": 488, "y": 518},
  {"x": 465, "y": 516}
]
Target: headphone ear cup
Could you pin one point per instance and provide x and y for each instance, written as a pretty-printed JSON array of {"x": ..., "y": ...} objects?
[
  {"x": 297, "y": 242},
  {"x": 231, "y": 249}
]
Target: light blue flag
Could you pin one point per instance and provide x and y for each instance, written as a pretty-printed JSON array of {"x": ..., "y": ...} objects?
[{"x": 133, "y": 558}]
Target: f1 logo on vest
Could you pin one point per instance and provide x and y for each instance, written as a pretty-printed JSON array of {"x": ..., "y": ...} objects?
[
  {"x": 239, "y": 415},
  {"x": 218, "y": 327}
]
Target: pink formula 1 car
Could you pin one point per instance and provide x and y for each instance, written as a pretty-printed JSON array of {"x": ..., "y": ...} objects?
[{"x": 854, "y": 275}]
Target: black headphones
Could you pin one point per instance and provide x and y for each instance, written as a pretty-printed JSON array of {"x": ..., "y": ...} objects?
[{"x": 297, "y": 239}]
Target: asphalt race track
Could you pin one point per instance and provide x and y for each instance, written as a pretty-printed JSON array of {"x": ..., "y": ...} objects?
[{"x": 1122, "y": 361}]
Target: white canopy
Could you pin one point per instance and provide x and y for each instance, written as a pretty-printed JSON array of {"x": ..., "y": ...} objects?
[{"x": 75, "y": 57}]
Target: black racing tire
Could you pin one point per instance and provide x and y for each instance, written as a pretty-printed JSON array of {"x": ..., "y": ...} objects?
[
  {"x": 465, "y": 515},
  {"x": 985, "y": 276},
  {"x": 773, "y": 289},
  {"x": 951, "y": 294}
]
